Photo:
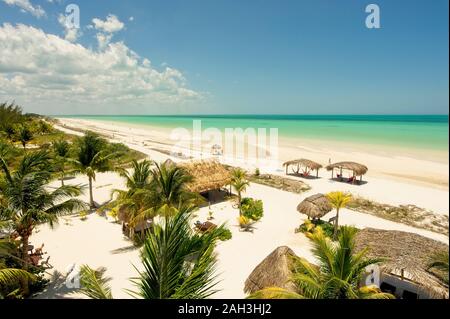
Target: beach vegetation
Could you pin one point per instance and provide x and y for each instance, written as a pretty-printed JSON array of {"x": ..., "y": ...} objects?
[
  {"x": 92, "y": 157},
  {"x": 240, "y": 183},
  {"x": 252, "y": 208},
  {"x": 338, "y": 200},
  {"x": 178, "y": 263},
  {"x": 24, "y": 135},
  {"x": 338, "y": 274},
  {"x": 25, "y": 200},
  {"x": 438, "y": 265},
  {"x": 310, "y": 226},
  {"x": 94, "y": 283}
]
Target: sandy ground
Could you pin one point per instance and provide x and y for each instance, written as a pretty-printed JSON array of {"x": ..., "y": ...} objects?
[{"x": 99, "y": 242}]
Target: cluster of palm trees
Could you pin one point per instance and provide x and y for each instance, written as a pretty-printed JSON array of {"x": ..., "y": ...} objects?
[
  {"x": 26, "y": 201},
  {"x": 178, "y": 262}
]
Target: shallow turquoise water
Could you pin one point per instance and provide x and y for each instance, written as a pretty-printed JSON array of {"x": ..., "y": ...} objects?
[{"x": 411, "y": 131}]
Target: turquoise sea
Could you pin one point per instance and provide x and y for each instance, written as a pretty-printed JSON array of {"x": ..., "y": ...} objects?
[{"x": 409, "y": 131}]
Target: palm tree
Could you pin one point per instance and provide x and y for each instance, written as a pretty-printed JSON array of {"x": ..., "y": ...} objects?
[
  {"x": 140, "y": 176},
  {"x": 24, "y": 135},
  {"x": 134, "y": 201},
  {"x": 167, "y": 189},
  {"x": 91, "y": 158},
  {"x": 94, "y": 284},
  {"x": 178, "y": 263},
  {"x": 338, "y": 200},
  {"x": 337, "y": 276},
  {"x": 26, "y": 201},
  {"x": 240, "y": 184},
  {"x": 61, "y": 149},
  {"x": 439, "y": 261}
]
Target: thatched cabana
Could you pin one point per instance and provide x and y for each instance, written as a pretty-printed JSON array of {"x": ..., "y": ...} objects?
[
  {"x": 356, "y": 169},
  {"x": 274, "y": 271},
  {"x": 306, "y": 164},
  {"x": 407, "y": 256},
  {"x": 207, "y": 175},
  {"x": 315, "y": 206}
]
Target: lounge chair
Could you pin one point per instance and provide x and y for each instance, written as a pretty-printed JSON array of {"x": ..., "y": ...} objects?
[
  {"x": 351, "y": 179},
  {"x": 204, "y": 227}
]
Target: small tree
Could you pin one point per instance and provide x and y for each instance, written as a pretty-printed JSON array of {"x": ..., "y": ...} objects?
[
  {"x": 61, "y": 150},
  {"x": 338, "y": 200},
  {"x": 24, "y": 135},
  {"x": 240, "y": 184}
]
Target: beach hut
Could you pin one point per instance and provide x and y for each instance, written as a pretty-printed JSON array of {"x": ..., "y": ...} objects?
[
  {"x": 303, "y": 164},
  {"x": 404, "y": 271},
  {"x": 216, "y": 149},
  {"x": 274, "y": 271},
  {"x": 315, "y": 206},
  {"x": 208, "y": 175},
  {"x": 358, "y": 170}
]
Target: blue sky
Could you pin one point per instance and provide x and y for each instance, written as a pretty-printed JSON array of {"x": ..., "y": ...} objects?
[{"x": 223, "y": 56}]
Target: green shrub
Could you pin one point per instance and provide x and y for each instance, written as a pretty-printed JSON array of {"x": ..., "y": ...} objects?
[
  {"x": 257, "y": 172},
  {"x": 252, "y": 208},
  {"x": 308, "y": 227},
  {"x": 225, "y": 235}
]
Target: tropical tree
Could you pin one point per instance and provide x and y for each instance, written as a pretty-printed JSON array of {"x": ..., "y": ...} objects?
[
  {"x": 94, "y": 284},
  {"x": 61, "y": 150},
  {"x": 92, "y": 157},
  {"x": 439, "y": 261},
  {"x": 140, "y": 175},
  {"x": 338, "y": 200},
  {"x": 178, "y": 263},
  {"x": 26, "y": 202},
  {"x": 134, "y": 201},
  {"x": 167, "y": 189},
  {"x": 338, "y": 274},
  {"x": 240, "y": 184},
  {"x": 24, "y": 135}
]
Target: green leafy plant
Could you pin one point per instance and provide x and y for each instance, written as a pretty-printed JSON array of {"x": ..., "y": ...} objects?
[{"x": 252, "y": 208}]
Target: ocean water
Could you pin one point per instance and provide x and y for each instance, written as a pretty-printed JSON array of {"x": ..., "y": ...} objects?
[{"x": 408, "y": 131}]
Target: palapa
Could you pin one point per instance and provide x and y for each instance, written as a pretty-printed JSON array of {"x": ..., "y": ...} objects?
[
  {"x": 406, "y": 256},
  {"x": 274, "y": 271},
  {"x": 207, "y": 175},
  {"x": 315, "y": 206}
]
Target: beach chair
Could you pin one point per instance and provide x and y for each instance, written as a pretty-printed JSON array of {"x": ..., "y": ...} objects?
[{"x": 204, "y": 227}]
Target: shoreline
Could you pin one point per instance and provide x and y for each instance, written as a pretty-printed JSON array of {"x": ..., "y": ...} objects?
[{"x": 424, "y": 168}]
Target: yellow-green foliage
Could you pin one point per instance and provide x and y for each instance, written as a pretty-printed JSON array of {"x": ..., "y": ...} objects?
[{"x": 83, "y": 215}]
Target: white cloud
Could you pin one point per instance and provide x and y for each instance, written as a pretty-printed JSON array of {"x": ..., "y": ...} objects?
[
  {"x": 26, "y": 6},
  {"x": 111, "y": 24},
  {"x": 103, "y": 40},
  {"x": 36, "y": 67},
  {"x": 131, "y": 19},
  {"x": 70, "y": 33}
]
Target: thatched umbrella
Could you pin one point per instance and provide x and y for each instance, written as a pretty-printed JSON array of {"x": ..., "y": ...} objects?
[
  {"x": 274, "y": 271},
  {"x": 207, "y": 175},
  {"x": 356, "y": 168},
  {"x": 302, "y": 162},
  {"x": 406, "y": 257},
  {"x": 315, "y": 206}
]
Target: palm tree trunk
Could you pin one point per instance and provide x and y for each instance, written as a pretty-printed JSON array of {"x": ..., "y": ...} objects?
[
  {"x": 336, "y": 224},
  {"x": 62, "y": 178},
  {"x": 24, "y": 257},
  {"x": 91, "y": 197},
  {"x": 240, "y": 203}
]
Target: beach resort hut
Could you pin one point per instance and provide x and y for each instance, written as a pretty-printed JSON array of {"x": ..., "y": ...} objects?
[
  {"x": 315, "y": 206},
  {"x": 140, "y": 228},
  {"x": 274, "y": 271},
  {"x": 216, "y": 149},
  {"x": 404, "y": 272},
  {"x": 305, "y": 165},
  {"x": 358, "y": 170},
  {"x": 208, "y": 176}
]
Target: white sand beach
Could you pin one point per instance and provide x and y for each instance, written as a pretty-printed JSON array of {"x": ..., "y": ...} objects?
[{"x": 98, "y": 241}]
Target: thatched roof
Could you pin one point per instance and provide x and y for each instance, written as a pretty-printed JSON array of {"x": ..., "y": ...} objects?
[
  {"x": 357, "y": 168},
  {"x": 304, "y": 162},
  {"x": 315, "y": 206},
  {"x": 207, "y": 175},
  {"x": 274, "y": 271},
  {"x": 406, "y": 253}
]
